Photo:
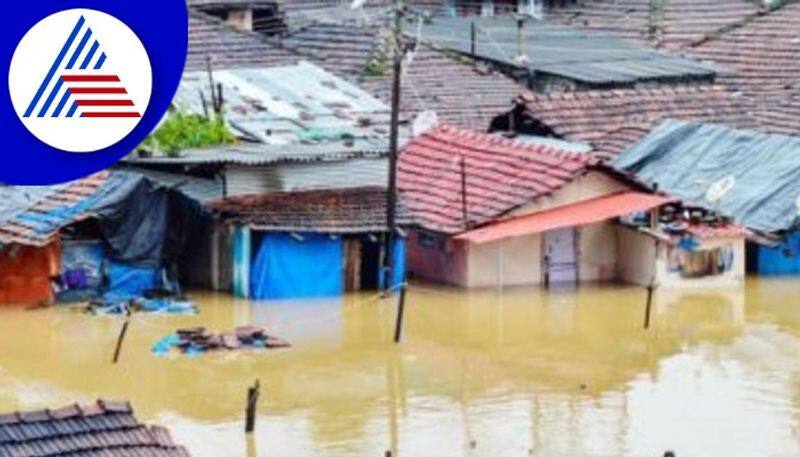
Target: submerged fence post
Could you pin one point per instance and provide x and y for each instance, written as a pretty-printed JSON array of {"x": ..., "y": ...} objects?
[
  {"x": 252, "y": 405},
  {"x": 398, "y": 325},
  {"x": 649, "y": 307},
  {"x": 122, "y": 333}
]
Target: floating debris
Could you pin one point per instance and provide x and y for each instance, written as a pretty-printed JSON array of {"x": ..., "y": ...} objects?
[
  {"x": 143, "y": 305},
  {"x": 197, "y": 340}
]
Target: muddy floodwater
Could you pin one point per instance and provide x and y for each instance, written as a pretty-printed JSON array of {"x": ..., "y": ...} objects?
[{"x": 487, "y": 373}]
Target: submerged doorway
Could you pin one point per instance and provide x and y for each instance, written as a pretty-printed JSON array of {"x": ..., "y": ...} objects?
[{"x": 561, "y": 256}]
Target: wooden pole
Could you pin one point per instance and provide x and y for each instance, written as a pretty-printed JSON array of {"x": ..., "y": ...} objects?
[
  {"x": 122, "y": 333},
  {"x": 472, "y": 38},
  {"x": 398, "y": 325},
  {"x": 649, "y": 307},
  {"x": 464, "y": 207},
  {"x": 252, "y": 405}
]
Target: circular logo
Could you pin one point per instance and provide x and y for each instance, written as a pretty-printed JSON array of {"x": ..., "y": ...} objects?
[{"x": 80, "y": 80}]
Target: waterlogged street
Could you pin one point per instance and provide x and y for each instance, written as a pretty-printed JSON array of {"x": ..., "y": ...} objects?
[{"x": 482, "y": 373}]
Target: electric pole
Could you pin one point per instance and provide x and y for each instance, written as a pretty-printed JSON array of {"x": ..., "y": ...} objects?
[{"x": 391, "y": 192}]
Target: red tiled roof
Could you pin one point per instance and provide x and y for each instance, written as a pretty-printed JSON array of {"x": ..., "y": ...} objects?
[
  {"x": 356, "y": 210},
  {"x": 501, "y": 175},
  {"x": 574, "y": 215},
  {"x": 100, "y": 428},
  {"x": 705, "y": 231},
  {"x": 612, "y": 120}
]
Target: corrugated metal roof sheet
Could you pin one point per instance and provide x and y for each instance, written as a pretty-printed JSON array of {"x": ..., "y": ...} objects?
[
  {"x": 574, "y": 215},
  {"x": 267, "y": 154},
  {"x": 685, "y": 159},
  {"x": 562, "y": 51},
  {"x": 283, "y": 105},
  {"x": 200, "y": 189}
]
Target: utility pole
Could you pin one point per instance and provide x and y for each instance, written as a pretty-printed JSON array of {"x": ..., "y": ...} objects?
[{"x": 391, "y": 192}]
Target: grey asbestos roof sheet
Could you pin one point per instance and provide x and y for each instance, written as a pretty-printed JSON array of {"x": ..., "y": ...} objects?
[{"x": 558, "y": 50}]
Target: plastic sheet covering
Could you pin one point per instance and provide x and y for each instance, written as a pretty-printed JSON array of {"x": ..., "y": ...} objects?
[
  {"x": 127, "y": 281},
  {"x": 288, "y": 267},
  {"x": 685, "y": 159},
  {"x": 780, "y": 260},
  {"x": 82, "y": 264}
]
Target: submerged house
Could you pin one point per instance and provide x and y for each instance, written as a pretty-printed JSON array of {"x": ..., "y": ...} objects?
[
  {"x": 313, "y": 243},
  {"x": 112, "y": 235},
  {"x": 491, "y": 211},
  {"x": 752, "y": 178}
]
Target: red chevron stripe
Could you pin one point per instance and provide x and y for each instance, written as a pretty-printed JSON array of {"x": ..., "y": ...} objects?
[
  {"x": 104, "y": 102},
  {"x": 90, "y": 78}
]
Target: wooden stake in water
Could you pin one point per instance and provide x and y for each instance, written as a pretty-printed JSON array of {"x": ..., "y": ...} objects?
[
  {"x": 398, "y": 325},
  {"x": 649, "y": 308},
  {"x": 252, "y": 405},
  {"x": 122, "y": 333}
]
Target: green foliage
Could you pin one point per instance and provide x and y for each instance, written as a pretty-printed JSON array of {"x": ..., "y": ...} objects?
[
  {"x": 188, "y": 131},
  {"x": 377, "y": 67}
]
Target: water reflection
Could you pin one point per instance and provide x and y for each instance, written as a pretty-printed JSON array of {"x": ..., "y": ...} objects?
[{"x": 482, "y": 373}]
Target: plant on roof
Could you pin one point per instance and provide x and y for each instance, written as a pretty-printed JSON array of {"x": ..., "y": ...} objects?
[
  {"x": 378, "y": 66},
  {"x": 183, "y": 130}
]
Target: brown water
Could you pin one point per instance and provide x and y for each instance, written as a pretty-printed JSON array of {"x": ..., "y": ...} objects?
[{"x": 479, "y": 374}]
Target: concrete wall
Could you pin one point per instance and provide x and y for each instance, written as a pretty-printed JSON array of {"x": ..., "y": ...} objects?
[
  {"x": 636, "y": 256},
  {"x": 518, "y": 261}
]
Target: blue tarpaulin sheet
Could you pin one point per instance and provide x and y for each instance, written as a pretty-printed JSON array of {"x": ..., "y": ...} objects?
[
  {"x": 310, "y": 265},
  {"x": 781, "y": 260},
  {"x": 128, "y": 281},
  {"x": 399, "y": 267}
]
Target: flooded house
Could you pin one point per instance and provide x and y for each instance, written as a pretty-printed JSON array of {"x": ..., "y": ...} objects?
[
  {"x": 312, "y": 243},
  {"x": 751, "y": 178},
  {"x": 302, "y": 135},
  {"x": 112, "y": 235},
  {"x": 492, "y": 211}
]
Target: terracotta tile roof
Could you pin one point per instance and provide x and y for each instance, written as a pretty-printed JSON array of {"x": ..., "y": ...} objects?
[
  {"x": 209, "y": 37},
  {"x": 461, "y": 93},
  {"x": 684, "y": 21},
  {"x": 354, "y": 210},
  {"x": 104, "y": 428},
  {"x": 37, "y": 214},
  {"x": 343, "y": 49},
  {"x": 612, "y": 120},
  {"x": 501, "y": 175},
  {"x": 762, "y": 60}
]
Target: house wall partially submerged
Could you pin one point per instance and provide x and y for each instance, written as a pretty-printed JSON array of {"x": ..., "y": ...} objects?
[
  {"x": 26, "y": 273},
  {"x": 518, "y": 260},
  {"x": 644, "y": 260}
]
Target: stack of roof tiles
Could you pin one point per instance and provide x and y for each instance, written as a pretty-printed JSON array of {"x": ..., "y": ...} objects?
[
  {"x": 445, "y": 169},
  {"x": 684, "y": 21},
  {"x": 614, "y": 119},
  {"x": 343, "y": 211},
  {"x": 104, "y": 428},
  {"x": 211, "y": 39}
]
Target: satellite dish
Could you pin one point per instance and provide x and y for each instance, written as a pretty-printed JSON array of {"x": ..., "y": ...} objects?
[
  {"x": 424, "y": 122},
  {"x": 720, "y": 188},
  {"x": 357, "y": 4}
]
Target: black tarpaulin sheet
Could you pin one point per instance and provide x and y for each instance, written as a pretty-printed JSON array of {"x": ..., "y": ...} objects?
[
  {"x": 685, "y": 160},
  {"x": 144, "y": 223}
]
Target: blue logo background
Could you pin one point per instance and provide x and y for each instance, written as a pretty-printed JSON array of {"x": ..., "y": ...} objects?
[{"x": 162, "y": 26}]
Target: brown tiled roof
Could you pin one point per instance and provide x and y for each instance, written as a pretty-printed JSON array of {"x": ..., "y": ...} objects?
[
  {"x": 684, "y": 21},
  {"x": 355, "y": 210},
  {"x": 779, "y": 112},
  {"x": 614, "y": 119},
  {"x": 461, "y": 93},
  {"x": 343, "y": 49},
  {"x": 103, "y": 428},
  {"x": 500, "y": 174},
  {"x": 209, "y": 37}
]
